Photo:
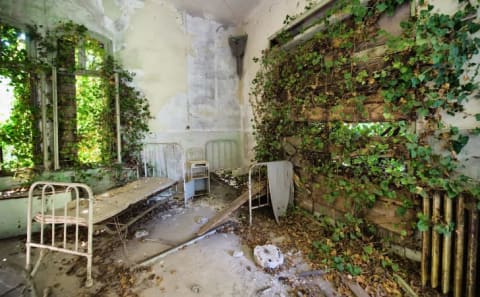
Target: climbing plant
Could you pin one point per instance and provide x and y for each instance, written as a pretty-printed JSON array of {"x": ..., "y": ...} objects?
[
  {"x": 363, "y": 126},
  {"x": 17, "y": 131},
  {"x": 82, "y": 63}
]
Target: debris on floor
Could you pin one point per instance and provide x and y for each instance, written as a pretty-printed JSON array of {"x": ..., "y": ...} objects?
[
  {"x": 14, "y": 281},
  {"x": 268, "y": 256},
  {"x": 303, "y": 256},
  {"x": 141, "y": 233}
]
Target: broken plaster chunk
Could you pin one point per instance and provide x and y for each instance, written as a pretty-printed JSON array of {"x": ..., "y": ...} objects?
[
  {"x": 141, "y": 233},
  {"x": 268, "y": 256}
]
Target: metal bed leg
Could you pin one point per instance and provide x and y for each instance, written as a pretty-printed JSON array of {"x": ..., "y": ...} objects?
[
  {"x": 89, "y": 281},
  {"x": 37, "y": 264}
]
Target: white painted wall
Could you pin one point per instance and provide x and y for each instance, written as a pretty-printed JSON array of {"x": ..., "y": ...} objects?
[
  {"x": 183, "y": 63},
  {"x": 470, "y": 155}
]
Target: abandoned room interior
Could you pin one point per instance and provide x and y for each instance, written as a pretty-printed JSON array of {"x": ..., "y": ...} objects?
[{"x": 239, "y": 148}]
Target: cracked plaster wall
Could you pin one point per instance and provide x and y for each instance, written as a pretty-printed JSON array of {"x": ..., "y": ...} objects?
[{"x": 182, "y": 63}]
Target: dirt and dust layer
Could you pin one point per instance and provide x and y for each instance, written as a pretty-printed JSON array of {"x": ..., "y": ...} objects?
[{"x": 222, "y": 264}]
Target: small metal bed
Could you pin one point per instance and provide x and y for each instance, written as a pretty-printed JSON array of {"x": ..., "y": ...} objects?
[{"x": 82, "y": 209}]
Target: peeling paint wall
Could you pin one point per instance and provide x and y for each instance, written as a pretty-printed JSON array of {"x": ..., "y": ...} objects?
[
  {"x": 264, "y": 20},
  {"x": 182, "y": 63}
]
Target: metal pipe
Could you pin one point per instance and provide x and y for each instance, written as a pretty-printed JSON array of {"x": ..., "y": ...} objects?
[
  {"x": 435, "y": 241},
  {"x": 472, "y": 250},
  {"x": 425, "y": 243},
  {"x": 56, "y": 161},
  {"x": 447, "y": 246},
  {"x": 43, "y": 108},
  {"x": 250, "y": 195},
  {"x": 117, "y": 115},
  {"x": 153, "y": 259},
  {"x": 459, "y": 247},
  {"x": 29, "y": 231}
]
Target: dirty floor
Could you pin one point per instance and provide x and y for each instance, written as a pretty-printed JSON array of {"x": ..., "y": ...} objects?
[
  {"x": 222, "y": 264},
  {"x": 218, "y": 265}
]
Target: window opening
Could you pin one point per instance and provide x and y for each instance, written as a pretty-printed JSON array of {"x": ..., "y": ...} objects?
[
  {"x": 16, "y": 125},
  {"x": 83, "y": 103}
]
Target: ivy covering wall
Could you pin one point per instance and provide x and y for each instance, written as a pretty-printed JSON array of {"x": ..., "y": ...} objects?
[
  {"x": 86, "y": 94},
  {"x": 359, "y": 110}
]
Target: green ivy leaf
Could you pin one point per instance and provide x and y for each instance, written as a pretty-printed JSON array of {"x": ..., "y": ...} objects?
[
  {"x": 423, "y": 222},
  {"x": 460, "y": 143},
  {"x": 381, "y": 7}
]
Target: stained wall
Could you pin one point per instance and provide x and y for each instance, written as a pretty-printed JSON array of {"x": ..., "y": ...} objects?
[{"x": 182, "y": 61}]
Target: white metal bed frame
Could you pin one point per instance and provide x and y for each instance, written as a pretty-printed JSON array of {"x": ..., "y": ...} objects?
[
  {"x": 79, "y": 212},
  {"x": 255, "y": 176},
  {"x": 74, "y": 189}
]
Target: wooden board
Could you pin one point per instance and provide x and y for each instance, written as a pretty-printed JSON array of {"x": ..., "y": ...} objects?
[
  {"x": 117, "y": 200},
  {"x": 112, "y": 202},
  {"x": 257, "y": 189}
]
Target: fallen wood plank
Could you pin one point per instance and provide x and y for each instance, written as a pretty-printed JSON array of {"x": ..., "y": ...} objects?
[
  {"x": 403, "y": 284},
  {"x": 356, "y": 289},
  {"x": 225, "y": 213}
]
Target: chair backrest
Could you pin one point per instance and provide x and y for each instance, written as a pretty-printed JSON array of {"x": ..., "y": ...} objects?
[{"x": 195, "y": 154}]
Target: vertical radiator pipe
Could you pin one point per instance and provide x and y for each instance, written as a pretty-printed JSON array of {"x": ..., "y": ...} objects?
[
  {"x": 117, "y": 116},
  {"x": 56, "y": 158},
  {"x": 43, "y": 108},
  {"x": 435, "y": 241},
  {"x": 426, "y": 243},
  {"x": 472, "y": 252},
  {"x": 447, "y": 245},
  {"x": 459, "y": 247}
]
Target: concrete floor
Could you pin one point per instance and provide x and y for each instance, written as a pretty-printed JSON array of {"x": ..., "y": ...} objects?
[{"x": 206, "y": 268}]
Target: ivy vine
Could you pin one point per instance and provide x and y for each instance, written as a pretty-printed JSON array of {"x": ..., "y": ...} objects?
[
  {"x": 349, "y": 120},
  {"x": 96, "y": 120}
]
